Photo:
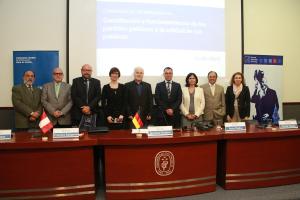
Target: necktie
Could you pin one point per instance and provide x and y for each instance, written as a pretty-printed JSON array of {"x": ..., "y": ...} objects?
[
  {"x": 87, "y": 90},
  {"x": 30, "y": 88},
  {"x": 57, "y": 87},
  {"x": 168, "y": 89}
]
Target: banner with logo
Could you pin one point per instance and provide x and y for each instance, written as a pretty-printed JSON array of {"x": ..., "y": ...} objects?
[
  {"x": 263, "y": 75},
  {"x": 41, "y": 62}
]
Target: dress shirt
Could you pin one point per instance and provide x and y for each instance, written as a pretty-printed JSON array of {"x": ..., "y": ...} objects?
[{"x": 212, "y": 88}]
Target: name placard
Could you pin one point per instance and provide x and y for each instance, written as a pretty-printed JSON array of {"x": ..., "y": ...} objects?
[
  {"x": 158, "y": 131},
  {"x": 139, "y": 130},
  {"x": 5, "y": 134},
  {"x": 65, "y": 133},
  {"x": 288, "y": 124},
  {"x": 235, "y": 126}
]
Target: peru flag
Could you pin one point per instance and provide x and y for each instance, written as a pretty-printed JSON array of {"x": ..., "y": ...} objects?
[{"x": 45, "y": 124}]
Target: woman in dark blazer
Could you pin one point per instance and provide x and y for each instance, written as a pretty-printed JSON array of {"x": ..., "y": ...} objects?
[
  {"x": 113, "y": 101},
  {"x": 237, "y": 99}
]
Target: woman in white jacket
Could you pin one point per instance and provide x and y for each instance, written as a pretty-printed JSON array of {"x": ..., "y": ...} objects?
[{"x": 193, "y": 101}]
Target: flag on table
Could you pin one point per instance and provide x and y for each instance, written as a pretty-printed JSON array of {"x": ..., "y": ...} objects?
[
  {"x": 45, "y": 124},
  {"x": 137, "y": 121}
]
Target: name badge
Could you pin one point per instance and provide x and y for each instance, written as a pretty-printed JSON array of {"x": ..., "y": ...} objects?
[
  {"x": 65, "y": 133},
  {"x": 158, "y": 131},
  {"x": 288, "y": 124},
  {"x": 5, "y": 134},
  {"x": 235, "y": 126}
]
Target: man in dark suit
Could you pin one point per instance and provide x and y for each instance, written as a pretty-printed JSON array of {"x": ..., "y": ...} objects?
[
  {"x": 56, "y": 99},
  {"x": 265, "y": 99},
  {"x": 138, "y": 97},
  {"x": 26, "y": 100},
  {"x": 86, "y": 94},
  {"x": 168, "y": 97}
]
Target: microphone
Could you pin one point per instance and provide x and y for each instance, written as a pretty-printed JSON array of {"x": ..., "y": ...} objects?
[{"x": 164, "y": 117}]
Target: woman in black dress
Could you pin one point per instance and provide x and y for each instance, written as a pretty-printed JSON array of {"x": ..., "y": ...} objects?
[{"x": 113, "y": 101}]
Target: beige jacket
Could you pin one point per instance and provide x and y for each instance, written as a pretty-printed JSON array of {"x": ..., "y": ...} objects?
[
  {"x": 199, "y": 101},
  {"x": 214, "y": 105}
]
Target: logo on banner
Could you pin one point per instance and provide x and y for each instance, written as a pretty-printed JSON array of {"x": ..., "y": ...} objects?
[{"x": 164, "y": 163}]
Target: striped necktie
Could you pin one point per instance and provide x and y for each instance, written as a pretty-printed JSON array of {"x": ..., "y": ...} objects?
[{"x": 168, "y": 89}]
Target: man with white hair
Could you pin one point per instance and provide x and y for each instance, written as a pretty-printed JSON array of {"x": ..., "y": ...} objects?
[
  {"x": 138, "y": 97},
  {"x": 56, "y": 99}
]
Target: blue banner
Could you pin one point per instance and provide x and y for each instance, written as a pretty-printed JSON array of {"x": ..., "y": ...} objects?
[
  {"x": 40, "y": 62},
  {"x": 263, "y": 60},
  {"x": 263, "y": 74}
]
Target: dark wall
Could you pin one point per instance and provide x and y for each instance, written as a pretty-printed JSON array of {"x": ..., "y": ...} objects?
[
  {"x": 6, "y": 118},
  {"x": 291, "y": 110}
]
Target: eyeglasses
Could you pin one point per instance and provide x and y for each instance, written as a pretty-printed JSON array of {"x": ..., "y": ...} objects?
[{"x": 58, "y": 74}]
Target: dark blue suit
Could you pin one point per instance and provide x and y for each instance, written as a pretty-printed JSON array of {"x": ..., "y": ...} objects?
[
  {"x": 164, "y": 102},
  {"x": 265, "y": 105}
]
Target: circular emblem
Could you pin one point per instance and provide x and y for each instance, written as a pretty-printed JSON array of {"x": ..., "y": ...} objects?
[{"x": 164, "y": 163}]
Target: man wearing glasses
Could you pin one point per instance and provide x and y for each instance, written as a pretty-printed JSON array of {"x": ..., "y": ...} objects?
[
  {"x": 86, "y": 94},
  {"x": 56, "y": 99}
]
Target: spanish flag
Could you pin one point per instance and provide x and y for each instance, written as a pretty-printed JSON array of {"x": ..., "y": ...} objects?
[{"x": 137, "y": 122}]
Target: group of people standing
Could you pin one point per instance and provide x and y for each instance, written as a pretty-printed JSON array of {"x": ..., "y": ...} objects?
[{"x": 68, "y": 105}]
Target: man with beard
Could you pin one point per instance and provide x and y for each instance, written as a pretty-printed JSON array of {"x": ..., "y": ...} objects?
[
  {"x": 26, "y": 100},
  {"x": 85, "y": 93}
]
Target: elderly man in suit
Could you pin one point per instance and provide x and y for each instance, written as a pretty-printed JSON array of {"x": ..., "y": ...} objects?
[
  {"x": 86, "y": 94},
  {"x": 56, "y": 99},
  {"x": 26, "y": 100},
  {"x": 138, "y": 97},
  {"x": 214, "y": 99},
  {"x": 168, "y": 97}
]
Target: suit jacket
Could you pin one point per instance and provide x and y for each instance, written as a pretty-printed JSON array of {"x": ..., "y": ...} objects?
[
  {"x": 266, "y": 104},
  {"x": 79, "y": 96},
  {"x": 135, "y": 102},
  {"x": 161, "y": 96},
  {"x": 214, "y": 104},
  {"x": 243, "y": 102},
  {"x": 199, "y": 101},
  {"x": 63, "y": 103},
  {"x": 25, "y": 102}
]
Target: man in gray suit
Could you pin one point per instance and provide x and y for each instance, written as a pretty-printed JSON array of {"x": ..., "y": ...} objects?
[
  {"x": 57, "y": 101},
  {"x": 214, "y": 99},
  {"x": 26, "y": 100}
]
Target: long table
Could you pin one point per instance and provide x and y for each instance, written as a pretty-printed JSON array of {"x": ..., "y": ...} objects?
[
  {"x": 139, "y": 167},
  {"x": 34, "y": 169}
]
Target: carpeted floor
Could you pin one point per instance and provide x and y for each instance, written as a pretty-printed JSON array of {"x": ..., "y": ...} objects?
[{"x": 287, "y": 192}]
